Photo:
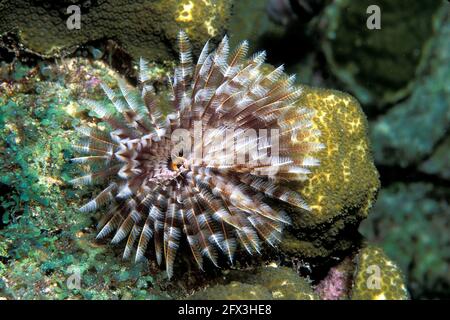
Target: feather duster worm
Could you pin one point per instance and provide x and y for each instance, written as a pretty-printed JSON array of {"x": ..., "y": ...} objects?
[{"x": 249, "y": 136}]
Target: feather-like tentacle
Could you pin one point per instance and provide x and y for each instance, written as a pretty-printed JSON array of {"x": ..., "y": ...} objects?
[{"x": 254, "y": 137}]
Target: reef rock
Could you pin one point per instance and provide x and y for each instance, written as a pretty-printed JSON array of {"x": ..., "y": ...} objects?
[
  {"x": 266, "y": 283},
  {"x": 377, "y": 65},
  {"x": 439, "y": 162},
  {"x": 337, "y": 283},
  {"x": 43, "y": 238},
  {"x": 397, "y": 139},
  {"x": 410, "y": 222},
  {"x": 410, "y": 144},
  {"x": 142, "y": 28}
]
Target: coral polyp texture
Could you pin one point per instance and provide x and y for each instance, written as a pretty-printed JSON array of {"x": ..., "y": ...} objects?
[
  {"x": 45, "y": 31},
  {"x": 201, "y": 173}
]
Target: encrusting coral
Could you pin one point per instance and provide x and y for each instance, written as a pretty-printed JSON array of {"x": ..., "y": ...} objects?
[
  {"x": 143, "y": 28},
  {"x": 265, "y": 283},
  {"x": 369, "y": 275},
  {"x": 377, "y": 277},
  {"x": 212, "y": 192},
  {"x": 343, "y": 188}
]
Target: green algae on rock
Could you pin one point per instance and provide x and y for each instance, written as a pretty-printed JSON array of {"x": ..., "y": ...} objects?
[
  {"x": 377, "y": 277},
  {"x": 143, "y": 28},
  {"x": 264, "y": 283},
  {"x": 343, "y": 188},
  {"x": 43, "y": 238}
]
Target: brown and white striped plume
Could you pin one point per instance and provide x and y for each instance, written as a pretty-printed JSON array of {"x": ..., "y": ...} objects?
[{"x": 249, "y": 135}]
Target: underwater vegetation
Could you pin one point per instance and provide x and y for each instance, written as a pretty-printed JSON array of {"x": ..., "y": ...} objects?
[{"x": 48, "y": 248}]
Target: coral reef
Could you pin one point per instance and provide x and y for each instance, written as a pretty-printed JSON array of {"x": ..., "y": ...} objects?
[
  {"x": 249, "y": 21},
  {"x": 44, "y": 240},
  {"x": 42, "y": 28},
  {"x": 369, "y": 275},
  {"x": 267, "y": 283},
  {"x": 234, "y": 291},
  {"x": 410, "y": 141},
  {"x": 438, "y": 163},
  {"x": 399, "y": 75},
  {"x": 385, "y": 59},
  {"x": 339, "y": 200},
  {"x": 427, "y": 107},
  {"x": 38, "y": 263},
  {"x": 338, "y": 282},
  {"x": 342, "y": 189},
  {"x": 45, "y": 99},
  {"x": 377, "y": 277},
  {"x": 411, "y": 223}
]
